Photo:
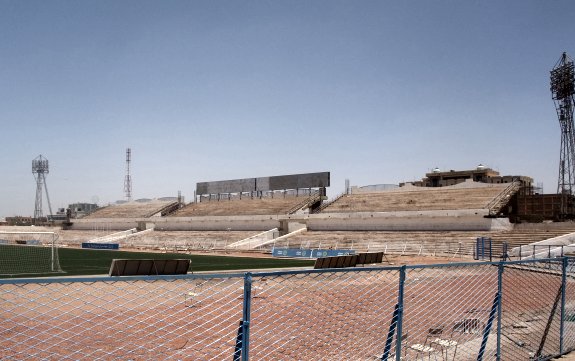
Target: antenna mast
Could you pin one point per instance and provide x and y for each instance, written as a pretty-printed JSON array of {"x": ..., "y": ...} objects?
[
  {"x": 40, "y": 168},
  {"x": 128, "y": 178},
  {"x": 562, "y": 90}
]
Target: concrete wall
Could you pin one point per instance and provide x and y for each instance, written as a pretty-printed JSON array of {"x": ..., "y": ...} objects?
[
  {"x": 108, "y": 224},
  {"x": 239, "y": 223},
  {"x": 471, "y": 220},
  {"x": 460, "y": 220}
]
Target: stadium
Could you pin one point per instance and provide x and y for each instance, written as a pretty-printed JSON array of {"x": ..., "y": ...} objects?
[
  {"x": 495, "y": 286},
  {"x": 461, "y": 265},
  {"x": 442, "y": 215}
]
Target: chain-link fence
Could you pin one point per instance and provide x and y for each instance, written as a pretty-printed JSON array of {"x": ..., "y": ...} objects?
[{"x": 523, "y": 310}]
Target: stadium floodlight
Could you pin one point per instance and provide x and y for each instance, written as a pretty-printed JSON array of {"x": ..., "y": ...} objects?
[
  {"x": 563, "y": 78},
  {"x": 40, "y": 168},
  {"x": 562, "y": 92}
]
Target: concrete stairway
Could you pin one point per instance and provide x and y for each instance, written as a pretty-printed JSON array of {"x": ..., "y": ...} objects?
[{"x": 502, "y": 199}]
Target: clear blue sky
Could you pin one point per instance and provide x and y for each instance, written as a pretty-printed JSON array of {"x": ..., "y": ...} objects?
[{"x": 373, "y": 91}]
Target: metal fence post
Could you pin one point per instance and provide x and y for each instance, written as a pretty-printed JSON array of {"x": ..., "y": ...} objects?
[
  {"x": 400, "y": 297},
  {"x": 505, "y": 252},
  {"x": 500, "y": 292},
  {"x": 246, "y": 315},
  {"x": 476, "y": 255},
  {"x": 490, "y": 249},
  {"x": 564, "y": 266},
  {"x": 487, "y": 329},
  {"x": 390, "y": 333}
]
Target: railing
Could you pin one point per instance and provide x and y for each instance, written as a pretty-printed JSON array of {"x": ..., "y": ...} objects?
[
  {"x": 255, "y": 240},
  {"x": 495, "y": 204},
  {"x": 328, "y": 203},
  {"x": 436, "y": 248},
  {"x": 114, "y": 237},
  {"x": 535, "y": 251},
  {"x": 167, "y": 210},
  {"x": 307, "y": 201},
  {"x": 464, "y": 311}
]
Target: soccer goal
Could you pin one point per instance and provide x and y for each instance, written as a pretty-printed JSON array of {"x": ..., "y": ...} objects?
[{"x": 32, "y": 253}]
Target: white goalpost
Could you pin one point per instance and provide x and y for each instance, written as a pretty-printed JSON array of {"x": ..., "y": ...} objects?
[{"x": 30, "y": 253}]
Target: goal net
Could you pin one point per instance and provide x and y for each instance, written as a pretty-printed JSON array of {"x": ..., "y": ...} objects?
[{"x": 32, "y": 253}]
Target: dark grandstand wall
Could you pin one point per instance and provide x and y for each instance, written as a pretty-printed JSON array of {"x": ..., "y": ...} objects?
[
  {"x": 540, "y": 207},
  {"x": 273, "y": 183},
  {"x": 227, "y": 186}
]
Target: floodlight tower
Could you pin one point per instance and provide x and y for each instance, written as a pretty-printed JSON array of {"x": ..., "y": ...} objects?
[
  {"x": 563, "y": 90},
  {"x": 128, "y": 178},
  {"x": 40, "y": 168}
]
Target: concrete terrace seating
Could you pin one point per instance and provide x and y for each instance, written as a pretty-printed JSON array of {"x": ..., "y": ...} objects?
[
  {"x": 172, "y": 241},
  {"x": 418, "y": 199},
  {"x": 133, "y": 209},
  {"x": 524, "y": 236},
  {"x": 241, "y": 207},
  {"x": 427, "y": 242},
  {"x": 186, "y": 240},
  {"x": 390, "y": 241}
]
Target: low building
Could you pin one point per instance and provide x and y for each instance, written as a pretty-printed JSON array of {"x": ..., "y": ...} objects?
[
  {"x": 79, "y": 210},
  {"x": 483, "y": 174},
  {"x": 22, "y": 221}
]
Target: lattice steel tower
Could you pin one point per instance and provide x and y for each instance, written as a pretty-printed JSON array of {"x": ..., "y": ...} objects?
[
  {"x": 562, "y": 90},
  {"x": 128, "y": 178},
  {"x": 40, "y": 168}
]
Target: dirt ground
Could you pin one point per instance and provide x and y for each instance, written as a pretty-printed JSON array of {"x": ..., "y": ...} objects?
[{"x": 309, "y": 316}]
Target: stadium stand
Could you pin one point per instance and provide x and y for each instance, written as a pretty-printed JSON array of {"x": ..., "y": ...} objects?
[
  {"x": 428, "y": 242},
  {"x": 187, "y": 240},
  {"x": 520, "y": 236},
  {"x": 247, "y": 206},
  {"x": 135, "y": 210},
  {"x": 172, "y": 241},
  {"x": 421, "y": 199},
  {"x": 394, "y": 242},
  {"x": 479, "y": 205},
  {"x": 387, "y": 241}
]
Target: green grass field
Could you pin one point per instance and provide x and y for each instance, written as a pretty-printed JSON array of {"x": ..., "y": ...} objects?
[{"x": 75, "y": 262}]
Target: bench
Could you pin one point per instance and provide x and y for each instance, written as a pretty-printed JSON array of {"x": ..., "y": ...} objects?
[
  {"x": 336, "y": 262},
  {"x": 149, "y": 267},
  {"x": 370, "y": 258},
  {"x": 349, "y": 261}
]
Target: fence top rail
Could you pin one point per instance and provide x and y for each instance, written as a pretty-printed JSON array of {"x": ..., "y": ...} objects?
[
  {"x": 326, "y": 270},
  {"x": 115, "y": 279},
  {"x": 495, "y": 263},
  {"x": 26, "y": 232}
]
